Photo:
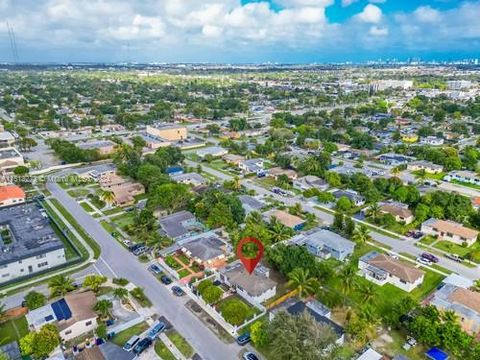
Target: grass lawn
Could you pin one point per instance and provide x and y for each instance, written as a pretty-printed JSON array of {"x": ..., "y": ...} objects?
[
  {"x": 86, "y": 207},
  {"x": 182, "y": 345},
  {"x": 124, "y": 220},
  {"x": 112, "y": 210},
  {"x": 473, "y": 186},
  {"x": 184, "y": 259},
  {"x": 250, "y": 312},
  {"x": 438, "y": 176},
  {"x": 107, "y": 226},
  {"x": 76, "y": 193},
  {"x": 428, "y": 240},
  {"x": 122, "y": 337},
  {"x": 170, "y": 261},
  {"x": 162, "y": 351},
  {"x": 451, "y": 247},
  {"x": 184, "y": 272},
  {"x": 13, "y": 330}
]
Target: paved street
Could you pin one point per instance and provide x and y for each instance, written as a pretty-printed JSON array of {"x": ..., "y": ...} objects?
[
  {"x": 119, "y": 261},
  {"x": 397, "y": 246}
]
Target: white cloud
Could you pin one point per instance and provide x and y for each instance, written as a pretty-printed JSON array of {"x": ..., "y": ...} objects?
[
  {"x": 371, "y": 14},
  {"x": 378, "y": 31},
  {"x": 427, "y": 14},
  {"x": 346, "y": 3}
]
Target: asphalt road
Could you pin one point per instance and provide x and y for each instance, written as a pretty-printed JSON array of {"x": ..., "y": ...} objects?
[{"x": 119, "y": 262}]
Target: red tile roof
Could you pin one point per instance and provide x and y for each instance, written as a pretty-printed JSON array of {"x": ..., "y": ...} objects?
[{"x": 8, "y": 192}]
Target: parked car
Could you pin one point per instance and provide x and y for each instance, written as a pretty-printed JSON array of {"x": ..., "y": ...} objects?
[
  {"x": 454, "y": 257},
  {"x": 155, "y": 269},
  {"x": 165, "y": 279},
  {"x": 250, "y": 356},
  {"x": 177, "y": 291},
  {"x": 156, "y": 329},
  {"x": 139, "y": 251},
  {"x": 142, "y": 345},
  {"x": 430, "y": 257},
  {"x": 130, "y": 344},
  {"x": 424, "y": 261},
  {"x": 243, "y": 339},
  {"x": 134, "y": 247}
]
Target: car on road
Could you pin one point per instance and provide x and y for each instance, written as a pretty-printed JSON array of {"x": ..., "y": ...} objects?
[
  {"x": 250, "y": 356},
  {"x": 177, "y": 291},
  {"x": 165, "y": 280},
  {"x": 139, "y": 251},
  {"x": 279, "y": 191},
  {"x": 156, "y": 329},
  {"x": 154, "y": 269},
  {"x": 430, "y": 257},
  {"x": 142, "y": 345},
  {"x": 424, "y": 261},
  {"x": 454, "y": 257},
  {"x": 130, "y": 344},
  {"x": 243, "y": 339}
]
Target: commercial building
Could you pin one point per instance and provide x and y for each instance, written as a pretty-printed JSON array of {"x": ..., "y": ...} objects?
[
  {"x": 10, "y": 158},
  {"x": 450, "y": 230},
  {"x": 382, "y": 269},
  {"x": 169, "y": 132},
  {"x": 11, "y": 195},
  {"x": 28, "y": 243}
]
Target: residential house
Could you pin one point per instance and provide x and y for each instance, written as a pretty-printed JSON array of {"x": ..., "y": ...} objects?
[
  {"x": 432, "y": 141},
  {"x": 450, "y": 230},
  {"x": 317, "y": 310},
  {"x": 256, "y": 287},
  {"x": 292, "y": 221},
  {"x": 6, "y": 139},
  {"x": 278, "y": 171},
  {"x": 310, "y": 182},
  {"x": 97, "y": 172},
  {"x": 10, "y": 158},
  {"x": 104, "y": 147},
  {"x": 427, "y": 166},
  {"x": 465, "y": 303},
  {"x": 125, "y": 193},
  {"x": 249, "y": 203},
  {"x": 233, "y": 159},
  {"x": 191, "y": 178},
  {"x": 393, "y": 159},
  {"x": 28, "y": 242},
  {"x": 463, "y": 176},
  {"x": 382, "y": 269},
  {"x": 180, "y": 225},
  {"x": 399, "y": 211},
  {"x": 11, "y": 195},
  {"x": 165, "y": 131},
  {"x": 73, "y": 315},
  {"x": 250, "y": 166},
  {"x": 207, "y": 249},
  {"x": 354, "y": 197},
  {"x": 370, "y": 354},
  {"x": 325, "y": 244},
  {"x": 214, "y": 151},
  {"x": 106, "y": 351}
]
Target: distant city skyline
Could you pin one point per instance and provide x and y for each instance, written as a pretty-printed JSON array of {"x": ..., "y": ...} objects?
[{"x": 234, "y": 31}]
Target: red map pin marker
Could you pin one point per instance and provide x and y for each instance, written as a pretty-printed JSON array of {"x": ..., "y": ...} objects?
[{"x": 250, "y": 263}]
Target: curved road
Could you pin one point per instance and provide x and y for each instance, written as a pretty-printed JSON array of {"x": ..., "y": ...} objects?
[{"x": 121, "y": 263}]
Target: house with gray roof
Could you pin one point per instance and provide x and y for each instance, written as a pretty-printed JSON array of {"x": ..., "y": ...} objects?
[
  {"x": 215, "y": 151},
  {"x": 353, "y": 196},
  {"x": 326, "y": 244},
  {"x": 180, "y": 225},
  {"x": 250, "y": 203},
  {"x": 206, "y": 249},
  {"x": 191, "y": 178}
]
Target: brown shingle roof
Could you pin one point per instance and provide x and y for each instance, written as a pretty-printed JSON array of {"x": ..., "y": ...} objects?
[
  {"x": 468, "y": 298},
  {"x": 396, "y": 210},
  {"x": 287, "y": 219},
  {"x": 81, "y": 305},
  {"x": 455, "y": 228},
  {"x": 396, "y": 268}
]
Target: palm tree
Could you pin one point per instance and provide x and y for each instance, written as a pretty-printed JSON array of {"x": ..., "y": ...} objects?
[
  {"x": 296, "y": 209},
  {"x": 368, "y": 292},
  {"x": 348, "y": 278},
  {"x": 254, "y": 218},
  {"x": 236, "y": 184},
  {"x": 300, "y": 280},
  {"x": 361, "y": 234},
  {"x": 374, "y": 211},
  {"x": 278, "y": 231},
  {"x": 395, "y": 171},
  {"x": 102, "y": 307},
  {"x": 476, "y": 286},
  {"x": 449, "y": 316},
  {"x": 60, "y": 285},
  {"x": 120, "y": 293},
  {"x": 108, "y": 197},
  {"x": 421, "y": 175},
  {"x": 2, "y": 313}
]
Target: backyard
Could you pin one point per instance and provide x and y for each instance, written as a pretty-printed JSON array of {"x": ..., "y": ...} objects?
[{"x": 13, "y": 330}]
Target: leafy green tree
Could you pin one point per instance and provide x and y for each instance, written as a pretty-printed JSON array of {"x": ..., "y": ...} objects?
[
  {"x": 361, "y": 234},
  {"x": 211, "y": 294},
  {"x": 343, "y": 204},
  {"x": 120, "y": 293},
  {"x": 259, "y": 334},
  {"x": 34, "y": 300},
  {"x": 234, "y": 311},
  {"x": 40, "y": 344},
  {"x": 171, "y": 197},
  {"x": 101, "y": 331}
]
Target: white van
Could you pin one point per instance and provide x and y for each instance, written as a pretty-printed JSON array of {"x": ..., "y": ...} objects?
[{"x": 130, "y": 344}]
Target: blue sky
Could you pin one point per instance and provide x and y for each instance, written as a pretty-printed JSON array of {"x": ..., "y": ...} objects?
[{"x": 237, "y": 31}]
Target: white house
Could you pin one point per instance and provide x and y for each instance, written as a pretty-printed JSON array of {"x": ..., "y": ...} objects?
[
  {"x": 381, "y": 269},
  {"x": 215, "y": 151},
  {"x": 463, "y": 176},
  {"x": 432, "y": 140},
  {"x": 450, "y": 230},
  {"x": 250, "y": 166},
  {"x": 256, "y": 287}
]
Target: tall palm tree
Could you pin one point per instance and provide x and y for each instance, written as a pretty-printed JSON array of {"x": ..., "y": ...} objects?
[
  {"x": 476, "y": 286},
  {"x": 108, "y": 197},
  {"x": 278, "y": 231},
  {"x": 236, "y": 184},
  {"x": 254, "y": 218},
  {"x": 296, "y": 209},
  {"x": 361, "y": 234},
  {"x": 368, "y": 292},
  {"x": 374, "y": 211},
  {"x": 300, "y": 280},
  {"x": 60, "y": 285},
  {"x": 348, "y": 278},
  {"x": 2, "y": 313},
  {"x": 120, "y": 293},
  {"x": 449, "y": 316},
  {"x": 102, "y": 307}
]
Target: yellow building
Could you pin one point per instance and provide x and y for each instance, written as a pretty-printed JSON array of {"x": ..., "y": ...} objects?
[{"x": 170, "y": 132}]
